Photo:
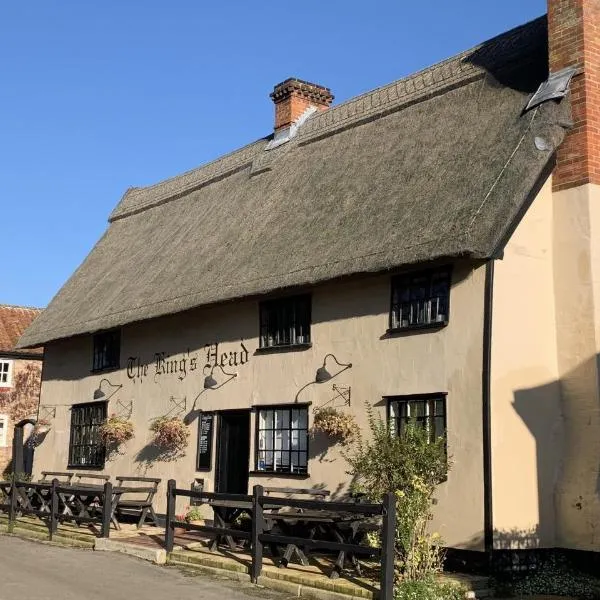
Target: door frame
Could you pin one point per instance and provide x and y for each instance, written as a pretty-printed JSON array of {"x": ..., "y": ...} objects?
[{"x": 218, "y": 471}]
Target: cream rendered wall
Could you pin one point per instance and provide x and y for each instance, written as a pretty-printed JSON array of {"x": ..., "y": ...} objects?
[
  {"x": 577, "y": 277},
  {"x": 349, "y": 319},
  {"x": 525, "y": 394}
]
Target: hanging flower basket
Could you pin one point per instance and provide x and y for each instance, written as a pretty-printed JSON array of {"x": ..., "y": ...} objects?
[
  {"x": 116, "y": 430},
  {"x": 170, "y": 433},
  {"x": 335, "y": 424},
  {"x": 41, "y": 427}
]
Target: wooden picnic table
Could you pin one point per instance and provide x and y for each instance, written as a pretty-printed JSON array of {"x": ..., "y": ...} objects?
[
  {"x": 343, "y": 528},
  {"x": 83, "y": 501}
]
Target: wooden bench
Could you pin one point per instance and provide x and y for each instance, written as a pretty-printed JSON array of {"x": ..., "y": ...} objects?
[
  {"x": 317, "y": 492},
  {"x": 95, "y": 477},
  {"x": 142, "y": 498},
  {"x": 48, "y": 476}
]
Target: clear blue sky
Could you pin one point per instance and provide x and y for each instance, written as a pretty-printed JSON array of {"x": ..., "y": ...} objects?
[{"x": 96, "y": 97}]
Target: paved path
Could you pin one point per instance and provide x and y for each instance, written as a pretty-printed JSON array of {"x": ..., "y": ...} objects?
[{"x": 33, "y": 571}]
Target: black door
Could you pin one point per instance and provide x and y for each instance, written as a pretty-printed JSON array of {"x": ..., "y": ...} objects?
[{"x": 233, "y": 452}]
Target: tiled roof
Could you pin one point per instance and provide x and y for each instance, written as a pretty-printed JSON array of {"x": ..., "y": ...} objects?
[{"x": 13, "y": 322}]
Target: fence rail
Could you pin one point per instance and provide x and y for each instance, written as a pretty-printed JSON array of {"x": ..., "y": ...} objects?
[
  {"x": 256, "y": 504},
  {"x": 50, "y": 502}
]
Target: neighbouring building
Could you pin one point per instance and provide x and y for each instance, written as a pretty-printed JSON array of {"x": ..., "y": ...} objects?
[
  {"x": 20, "y": 375},
  {"x": 428, "y": 248}
]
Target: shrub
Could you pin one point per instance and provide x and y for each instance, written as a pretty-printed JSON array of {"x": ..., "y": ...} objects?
[
  {"x": 335, "y": 424},
  {"x": 429, "y": 589},
  {"x": 116, "y": 430},
  {"x": 410, "y": 465},
  {"x": 170, "y": 433}
]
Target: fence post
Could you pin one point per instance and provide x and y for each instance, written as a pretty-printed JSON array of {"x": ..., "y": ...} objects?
[
  {"x": 54, "y": 509},
  {"x": 12, "y": 507},
  {"x": 257, "y": 530},
  {"x": 169, "y": 531},
  {"x": 388, "y": 552},
  {"x": 107, "y": 509}
]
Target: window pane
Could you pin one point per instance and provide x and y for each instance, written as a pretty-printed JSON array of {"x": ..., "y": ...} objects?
[{"x": 300, "y": 418}]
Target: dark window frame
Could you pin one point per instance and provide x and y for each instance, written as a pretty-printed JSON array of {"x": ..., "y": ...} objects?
[
  {"x": 107, "y": 358},
  {"x": 424, "y": 398},
  {"x": 258, "y": 429},
  {"x": 100, "y": 449},
  {"x": 296, "y": 322},
  {"x": 404, "y": 281}
]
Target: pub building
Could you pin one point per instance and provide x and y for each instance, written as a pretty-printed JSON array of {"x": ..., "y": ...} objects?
[{"x": 420, "y": 249}]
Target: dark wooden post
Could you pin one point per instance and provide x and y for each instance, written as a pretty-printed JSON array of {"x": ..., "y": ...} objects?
[
  {"x": 54, "y": 509},
  {"x": 107, "y": 509},
  {"x": 12, "y": 507},
  {"x": 169, "y": 530},
  {"x": 388, "y": 553},
  {"x": 257, "y": 530}
]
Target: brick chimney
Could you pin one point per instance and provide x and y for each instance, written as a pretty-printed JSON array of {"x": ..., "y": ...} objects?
[
  {"x": 293, "y": 96},
  {"x": 574, "y": 41}
]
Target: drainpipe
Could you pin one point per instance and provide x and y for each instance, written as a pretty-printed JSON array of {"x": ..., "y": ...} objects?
[{"x": 488, "y": 521}]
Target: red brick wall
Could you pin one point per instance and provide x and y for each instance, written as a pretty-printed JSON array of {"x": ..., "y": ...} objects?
[
  {"x": 574, "y": 40},
  {"x": 21, "y": 404}
]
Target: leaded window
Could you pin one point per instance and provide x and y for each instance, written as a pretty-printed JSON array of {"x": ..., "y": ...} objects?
[
  {"x": 282, "y": 440},
  {"x": 427, "y": 411},
  {"x": 420, "y": 299},
  {"x": 107, "y": 350},
  {"x": 86, "y": 448},
  {"x": 285, "y": 322},
  {"x": 5, "y": 373}
]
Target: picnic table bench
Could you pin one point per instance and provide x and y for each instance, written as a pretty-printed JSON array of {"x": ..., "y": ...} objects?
[
  {"x": 63, "y": 477},
  {"x": 139, "y": 501}
]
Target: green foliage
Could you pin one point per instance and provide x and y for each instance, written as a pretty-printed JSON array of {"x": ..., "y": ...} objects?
[
  {"x": 554, "y": 577},
  {"x": 193, "y": 513},
  {"x": 428, "y": 589},
  {"x": 410, "y": 465}
]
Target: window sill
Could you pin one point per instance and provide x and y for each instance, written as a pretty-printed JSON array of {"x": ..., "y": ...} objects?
[
  {"x": 280, "y": 474},
  {"x": 283, "y": 348},
  {"x": 85, "y": 467},
  {"x": 420, "y": 327},
  {"x": 105, "y": 370}
]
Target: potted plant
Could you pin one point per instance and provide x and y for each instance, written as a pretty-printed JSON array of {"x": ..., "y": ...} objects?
[
  {"x": 335, "y": 424},
  {"x": 170, "y": 433},
  {"x": 194, "y": 515},
  {"x": 116, "y": 430}
]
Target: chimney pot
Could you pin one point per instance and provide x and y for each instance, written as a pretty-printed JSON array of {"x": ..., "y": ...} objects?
[{"x": 293, "y": 96}]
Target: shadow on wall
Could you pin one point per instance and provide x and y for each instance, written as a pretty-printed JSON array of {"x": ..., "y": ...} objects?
[
  {"x": 564, "y": 418},
  {"x": 539, "y": 408}
]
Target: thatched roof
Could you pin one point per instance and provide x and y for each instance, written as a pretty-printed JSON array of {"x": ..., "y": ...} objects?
[{"x": 435, "y": 165}]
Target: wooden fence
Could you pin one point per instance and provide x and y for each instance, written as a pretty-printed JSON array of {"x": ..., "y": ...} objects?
[
  {"x": 49, "y": 502},
  {"x": 259, "y": 536}
]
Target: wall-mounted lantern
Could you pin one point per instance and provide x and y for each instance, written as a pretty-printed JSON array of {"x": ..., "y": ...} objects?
[
  {"x": 210, "y": 383},
  {"x": 324, "y": 375},
  {"x": 99, "y": 394}
]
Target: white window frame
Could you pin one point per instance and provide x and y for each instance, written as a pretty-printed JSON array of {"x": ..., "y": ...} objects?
[
  {"x": 4, "y": 431},
  {"x": 8, "y": 382}
]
